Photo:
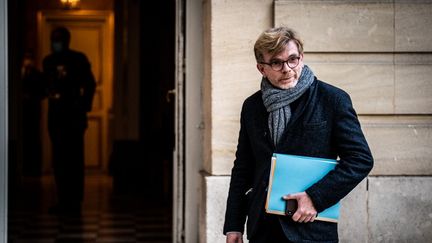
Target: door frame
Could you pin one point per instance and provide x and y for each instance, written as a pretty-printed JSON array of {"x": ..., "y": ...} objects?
[
  {"x": 178, "y": 218},
  {"x": 188, "y": 121},
  {"x": 3, "y": 120}
]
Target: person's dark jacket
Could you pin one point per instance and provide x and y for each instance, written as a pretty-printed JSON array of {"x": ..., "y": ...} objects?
[
  {"x": 324, "y": 124},
  {"x": 71, "y": 88}
]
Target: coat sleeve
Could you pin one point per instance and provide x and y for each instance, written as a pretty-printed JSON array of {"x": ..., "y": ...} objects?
[
  {"x": 355, "y": 158},
  {"x": 241, "y": 181},
  {"x": 88, "y": 84}
]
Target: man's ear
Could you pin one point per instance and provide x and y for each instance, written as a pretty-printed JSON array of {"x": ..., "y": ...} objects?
[{"x": 260, "y": 68}]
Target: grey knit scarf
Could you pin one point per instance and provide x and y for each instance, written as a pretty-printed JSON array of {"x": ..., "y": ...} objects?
[{"x": 277, "y": 102}]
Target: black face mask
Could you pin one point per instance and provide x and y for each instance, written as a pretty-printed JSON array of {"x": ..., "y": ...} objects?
[{"x": 57, "y": 46}]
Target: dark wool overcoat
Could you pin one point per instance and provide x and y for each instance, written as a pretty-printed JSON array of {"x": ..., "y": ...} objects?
[{"x": 323, "y": 124}]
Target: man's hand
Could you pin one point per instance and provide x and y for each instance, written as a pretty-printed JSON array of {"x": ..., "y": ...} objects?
[
  {"x": 234, "y": 237},
  {"x": 306, "y": 211}
]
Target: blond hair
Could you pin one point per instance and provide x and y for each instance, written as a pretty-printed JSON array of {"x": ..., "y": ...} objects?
[{"x": 273, "y": 40}]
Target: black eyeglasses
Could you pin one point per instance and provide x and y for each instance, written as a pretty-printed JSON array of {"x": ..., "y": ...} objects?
[{"x": 292, "y": 62}]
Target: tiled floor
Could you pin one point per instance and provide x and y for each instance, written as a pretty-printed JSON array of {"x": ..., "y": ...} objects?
[{"x": 106, "y": 216}]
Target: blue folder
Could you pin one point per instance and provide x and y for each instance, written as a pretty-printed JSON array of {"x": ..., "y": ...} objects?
[{"x": 292, "y": 174}]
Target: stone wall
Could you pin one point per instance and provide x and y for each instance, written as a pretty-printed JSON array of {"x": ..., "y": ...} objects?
[{"x": 380, "y": 52}]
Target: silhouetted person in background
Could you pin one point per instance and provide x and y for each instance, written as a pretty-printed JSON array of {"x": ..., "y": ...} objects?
[
  {"x": 33, "y": 91},
  {"x": 71, "y": 87}
]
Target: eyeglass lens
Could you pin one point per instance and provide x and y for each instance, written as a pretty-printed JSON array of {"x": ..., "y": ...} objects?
[{"x": 292, "y": 63}]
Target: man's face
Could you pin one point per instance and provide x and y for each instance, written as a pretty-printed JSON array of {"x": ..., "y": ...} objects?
[{"x": 286, "y": 77}]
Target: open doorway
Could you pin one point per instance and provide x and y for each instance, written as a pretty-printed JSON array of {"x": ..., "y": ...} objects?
[
  {"x": 157, "y": 99},
  {"x": 129, "y": 187},
  {"x": 144, "y": 99}
]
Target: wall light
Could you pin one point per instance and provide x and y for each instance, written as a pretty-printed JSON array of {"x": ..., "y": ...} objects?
[{"x": 70, "y": 4}]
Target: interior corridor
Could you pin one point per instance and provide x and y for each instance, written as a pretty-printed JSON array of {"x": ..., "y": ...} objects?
[
  {"x": 107, "y": 215},
  {"x": 130, "y": 136}
]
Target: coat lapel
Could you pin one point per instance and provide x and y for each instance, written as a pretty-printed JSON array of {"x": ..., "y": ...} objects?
[
  {"x": 262, "y": 123},
  {"x": 303, "y": 105}
]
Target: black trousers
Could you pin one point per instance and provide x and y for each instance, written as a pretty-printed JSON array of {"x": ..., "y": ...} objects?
[
  {"x": 269, "y": 230},
  {"x": 68, "y": 163}
]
